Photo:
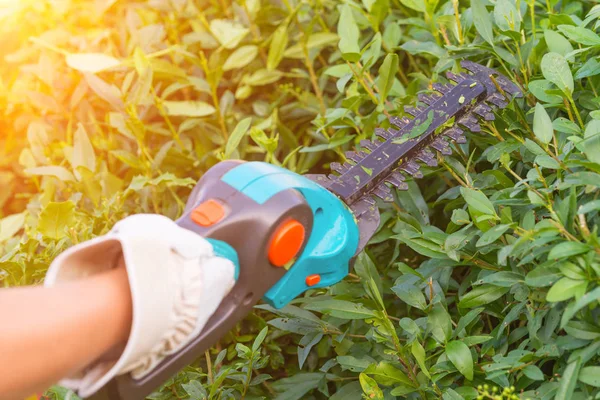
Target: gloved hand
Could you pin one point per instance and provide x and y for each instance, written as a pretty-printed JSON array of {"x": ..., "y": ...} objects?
[{"x": 176, "y": 280}]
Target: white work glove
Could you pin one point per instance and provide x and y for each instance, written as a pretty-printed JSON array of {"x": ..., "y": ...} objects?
[{"x": 176, "y": 284}]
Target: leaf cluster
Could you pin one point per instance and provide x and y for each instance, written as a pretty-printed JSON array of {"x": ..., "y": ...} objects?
[{"x": 483, "y": 274}]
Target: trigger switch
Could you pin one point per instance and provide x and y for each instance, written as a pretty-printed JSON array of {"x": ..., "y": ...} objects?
[{"x": 208, "y": 213}]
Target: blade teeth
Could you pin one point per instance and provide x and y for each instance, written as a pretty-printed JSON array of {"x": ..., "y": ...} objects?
[
  {"x": 382, "y": 133},
  {"x": 428, "y": 98},
  {"x": 354, "y": 156},
  {"x": 497, "y": 99},
  {"x": 484, "y": 111},
  {"x": 339, "y": 168},
  {"x": 440, "y": 145},
  {"x": 412, "y": 168},
  {"x": 396, "y": 179},
  {"x": 470, "y": 66},
  {"x": 456, "y": 134},
  {"x": 427, "y": 157},
  {"x": 414, "y": 111},
  {"x": 470, "y": 122},
  {"x": 395, "y": 120},
  {"x": 458, "y": 78},
  {"x": 443, "y": 89},
  {"x": 369, "y": 200},
  {"x": 334, "y": 178},
  {"x": 383, "y": 192},
  {"x": 483, "y": 75},
  {"x": 367, "y": 144}
]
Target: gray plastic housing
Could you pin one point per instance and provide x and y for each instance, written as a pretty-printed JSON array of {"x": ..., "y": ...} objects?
[{"x": 248, "y": 228}]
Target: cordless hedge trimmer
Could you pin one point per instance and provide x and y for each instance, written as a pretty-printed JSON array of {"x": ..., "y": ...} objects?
[{"x": 292, "y": 233}]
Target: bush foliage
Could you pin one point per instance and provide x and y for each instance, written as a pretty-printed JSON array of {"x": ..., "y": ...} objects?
[{"x": 483, "y": 274}]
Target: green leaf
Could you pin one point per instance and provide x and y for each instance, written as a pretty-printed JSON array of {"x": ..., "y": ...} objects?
[
  {"x": 260, "y": 338},
  {"x": 590, "y": 376},
  {"x": 583, "y": 178},
  {"x": 417, "y": 5},
  {"x": 556, "y": 69},
  {"x": 567, "y": 249},
  {"x": 540, "y": 89},
  {"x": 349, "y": 33},
  {"x": 565, "y": 288},
  {"x": 56, "y": 218},
  {"x": 296, "y": 386},
  {"x": 542, "y": 124},
  {"x": 482, "y": 21},
  {"x": 240, "y": 57},
  {"x": 542, "y": 276},
  {"x": 341, "y": 309},
  {"x": 533, "y": 373},
  {"x": 277, "y": 47},
  {"x": 592, "y": 141},
  {"x": 419, "y": 354},
  {"x": 387, "y": 74},
  {"x": 387, "y": 374},
  {"x": 460, "y": 217},
  {"x": 492, "y": 235},
  {"x": 460, "y": 355},
  {"x": 557, "y": 43},
  {"x": 593, "y": 205},
  {"x": 439, "y": 324},
  {"x": 236, "y": 136},
  {"x": 482, "y": 295},
  {"x": 507, "y": 16},
  {"x": 580, "y": 35},
  {"x": 370, "y": 387},
  {"x": 478, "y": 201},
  {"x": 188, "y": 108},
  {"x": 502, "y": 278},
  {"x": 411, "y": 295},
  {"x": 586, "y": 299},
  {"x": 194, "y": 389},
  {"x": 568, "y": 381},
  {"x": 392, "y": 35}
]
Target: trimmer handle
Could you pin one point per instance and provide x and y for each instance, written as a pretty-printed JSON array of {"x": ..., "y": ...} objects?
[{"x": 290, "y": 234}]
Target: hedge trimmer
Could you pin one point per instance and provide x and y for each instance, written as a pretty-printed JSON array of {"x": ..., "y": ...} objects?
[{"x": 293, "y": 233}]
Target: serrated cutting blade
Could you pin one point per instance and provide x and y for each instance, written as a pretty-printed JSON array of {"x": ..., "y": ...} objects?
[{"x": 441, "y": 117}]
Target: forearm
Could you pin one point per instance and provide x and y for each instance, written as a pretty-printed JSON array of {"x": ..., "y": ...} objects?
[{"x": 49, "y": 333}]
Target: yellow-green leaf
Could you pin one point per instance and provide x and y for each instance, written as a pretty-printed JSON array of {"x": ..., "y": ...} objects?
[
  {"x": 277, "y": 47},
  {"x": 188, "y": 108},
  {"x": 91, "y": 62},
  {"x": 56, "y": 218},
  {"x": 240, "y": 57}
]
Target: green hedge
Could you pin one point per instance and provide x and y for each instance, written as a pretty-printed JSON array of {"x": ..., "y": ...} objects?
[{"x": 483, "y": 274}]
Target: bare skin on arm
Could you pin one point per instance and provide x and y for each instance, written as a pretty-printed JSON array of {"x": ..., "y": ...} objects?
[{"x": 50, "y": 333}]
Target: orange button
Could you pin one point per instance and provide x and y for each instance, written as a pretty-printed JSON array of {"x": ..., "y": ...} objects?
[
  {"x": 208, "y": 213},
  {"x": 312, "y": 280},
  {"x": 286, "y": 242}
]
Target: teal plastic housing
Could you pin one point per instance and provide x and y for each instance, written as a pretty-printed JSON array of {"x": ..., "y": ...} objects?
[
  {"x": 334, "y": 237},
  {"x": 223, "y": 249}
]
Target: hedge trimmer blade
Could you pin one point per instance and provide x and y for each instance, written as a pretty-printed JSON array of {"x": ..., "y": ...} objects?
[{"x": 439, "y": 118}]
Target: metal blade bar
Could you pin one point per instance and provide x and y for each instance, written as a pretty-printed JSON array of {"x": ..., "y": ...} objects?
[{"x": 373, "y": 168}]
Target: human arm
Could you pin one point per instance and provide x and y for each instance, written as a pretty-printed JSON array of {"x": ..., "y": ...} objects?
[{"x": 44, "y": 337}]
